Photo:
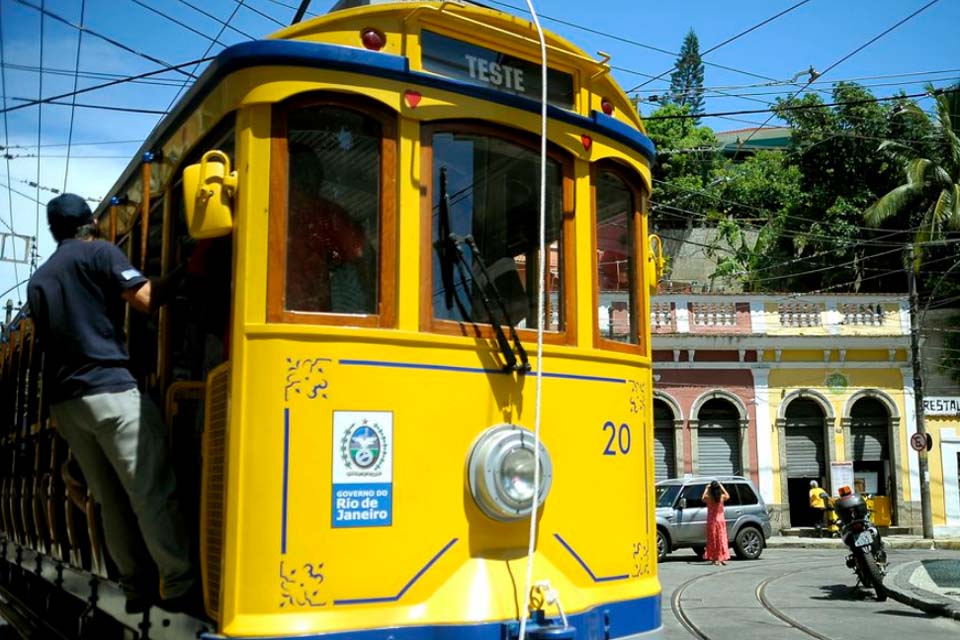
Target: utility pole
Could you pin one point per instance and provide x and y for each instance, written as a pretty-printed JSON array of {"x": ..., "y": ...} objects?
[{"x": 925, "y": 512}]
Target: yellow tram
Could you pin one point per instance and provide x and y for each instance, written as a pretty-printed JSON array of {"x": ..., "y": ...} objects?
[{"x": 348, "y": 374}]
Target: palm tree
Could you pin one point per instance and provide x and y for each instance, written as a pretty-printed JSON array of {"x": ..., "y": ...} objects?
[{"x": 932, "y": 185}]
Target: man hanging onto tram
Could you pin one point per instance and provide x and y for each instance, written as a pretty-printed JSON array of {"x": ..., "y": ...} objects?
[{"x": 77, "y": 299}]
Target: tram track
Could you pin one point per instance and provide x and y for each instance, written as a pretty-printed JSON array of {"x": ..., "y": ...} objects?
[{"x": 676, "y": 604}]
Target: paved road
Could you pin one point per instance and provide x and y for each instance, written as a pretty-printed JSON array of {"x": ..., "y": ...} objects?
[{"x": 811, "y": 586}]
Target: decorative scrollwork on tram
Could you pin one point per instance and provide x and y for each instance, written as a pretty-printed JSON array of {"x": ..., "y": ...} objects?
[
  {"x": 301, "y": 587},
  {"x": 306, "y": 378}
]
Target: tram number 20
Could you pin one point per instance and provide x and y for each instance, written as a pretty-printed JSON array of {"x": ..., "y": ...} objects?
[{"x": 619, "y": 440}]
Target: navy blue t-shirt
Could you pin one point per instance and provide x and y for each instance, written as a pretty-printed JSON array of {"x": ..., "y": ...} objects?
[{"x": 75, "y": 300}]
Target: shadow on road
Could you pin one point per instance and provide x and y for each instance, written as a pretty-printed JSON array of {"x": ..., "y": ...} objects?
[
  {"x": 908, "y": 614},
  {"x": 842, "y": 592}
]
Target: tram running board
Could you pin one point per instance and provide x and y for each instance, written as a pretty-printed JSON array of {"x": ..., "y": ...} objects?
[{"x": 26, "y": 565}]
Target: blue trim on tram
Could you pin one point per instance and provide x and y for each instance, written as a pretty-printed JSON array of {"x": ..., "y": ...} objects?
[
  {"x": 456, "y": 369},
  {"x": 406, "y": 587},
  {"x": 260, "y": 53},
  {"x": 612, "y": 620},
  {"x": 593, "y": 576}
]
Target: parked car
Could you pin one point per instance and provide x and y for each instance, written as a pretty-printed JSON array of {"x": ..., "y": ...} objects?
[{"x": 682, "y": 516}]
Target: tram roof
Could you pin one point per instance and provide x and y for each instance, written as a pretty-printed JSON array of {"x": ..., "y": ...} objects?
[{"x": 291, "y": 46}]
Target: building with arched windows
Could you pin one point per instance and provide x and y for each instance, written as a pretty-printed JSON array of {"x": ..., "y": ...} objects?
[{"x": 785, "y": 391}]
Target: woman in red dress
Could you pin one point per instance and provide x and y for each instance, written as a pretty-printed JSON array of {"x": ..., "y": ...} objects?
[{"x": 718, "y": 547}]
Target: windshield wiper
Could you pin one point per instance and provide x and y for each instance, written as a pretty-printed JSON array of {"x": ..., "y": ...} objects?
[
  {"x": 525, "y": 363},
  {"x": 447, "y": 250},
  {"x": 509, "y": 356}
]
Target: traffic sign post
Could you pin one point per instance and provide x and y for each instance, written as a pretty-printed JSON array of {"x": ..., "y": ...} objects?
[{"x": 918, "y": 441}]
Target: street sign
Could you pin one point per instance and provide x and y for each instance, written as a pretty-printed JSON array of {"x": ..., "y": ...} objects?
[{"x": 918, "y": 441}]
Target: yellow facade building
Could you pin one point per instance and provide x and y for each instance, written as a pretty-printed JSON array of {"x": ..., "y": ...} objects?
[{"x": 787, "y": 390}]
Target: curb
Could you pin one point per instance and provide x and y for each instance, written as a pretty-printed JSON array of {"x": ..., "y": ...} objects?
[
  {"x": 915, "y": 597},
  {"x": 791, "y": 542}
]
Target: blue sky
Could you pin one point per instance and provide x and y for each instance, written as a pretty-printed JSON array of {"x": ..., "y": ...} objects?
[{"x": 818, "y": 33}]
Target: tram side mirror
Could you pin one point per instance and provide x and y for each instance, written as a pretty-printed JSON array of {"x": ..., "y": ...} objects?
[
  {"x": 208, "y": 191},
  {"x": 655, "y": 264},
  {"x": 682, "y": 504}
]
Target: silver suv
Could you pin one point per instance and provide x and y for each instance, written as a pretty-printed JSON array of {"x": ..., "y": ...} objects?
[{"x": 682, "y": 516}]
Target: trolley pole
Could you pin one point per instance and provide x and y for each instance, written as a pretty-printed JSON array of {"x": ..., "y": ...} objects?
[{"x": 925, "y": 512}]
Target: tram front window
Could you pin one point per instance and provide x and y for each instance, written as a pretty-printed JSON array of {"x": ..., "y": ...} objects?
[
  {"x": 492, "y": 193},
  {"x": 333, "y": 211},
  {"x": 617, "y": 259}
]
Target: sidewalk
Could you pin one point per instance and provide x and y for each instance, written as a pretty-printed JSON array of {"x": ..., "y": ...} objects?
[
  {"x": 890, "y": 542},
  {"x": 929, "y": 585}
]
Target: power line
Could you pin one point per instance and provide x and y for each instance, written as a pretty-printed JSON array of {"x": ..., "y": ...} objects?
[
  {"x": 844, "y": 58},
  {"x": 725, "y": 42},
  {"x": 93, "y": 75},
  {"x": 857, "y": 79},
  {"x": 799, "y": 107},
  {"x": 635, "y": 43},
  {"x": 33, "y": 257},
  {"x": 75, "y": 144},
  {"x": 103, "y": 85},
  {"x": 261, "y": 13},
  {"x": 6, "y": 140},
  {"x": 93, "y": 33},
  {"x": 225, "y": 25},
  {"x": 103, "y": 107},
  {"x": 73, "y": 106},
  {"x": 177, "y": 22},
  {"x": 205, "y": 53}
]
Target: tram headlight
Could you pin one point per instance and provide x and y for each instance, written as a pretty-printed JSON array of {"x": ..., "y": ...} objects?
[{"x": 500, "y": 472}]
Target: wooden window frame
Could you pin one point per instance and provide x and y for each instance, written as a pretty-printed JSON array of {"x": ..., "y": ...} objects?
[
  {"x": 277, "y": 227},
  {"x": 428, "y": 322},
  {"x": 634, "y": 183}
]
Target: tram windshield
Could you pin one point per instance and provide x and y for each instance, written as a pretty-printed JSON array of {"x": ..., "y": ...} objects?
[{"x": 492, "y": 194}]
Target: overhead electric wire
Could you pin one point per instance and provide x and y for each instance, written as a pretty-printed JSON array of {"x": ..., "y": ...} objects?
[
  {"x": 725, "y": 42},
  {"x": 103, "y": 85},
  {"x": 847, "y": 57},
  {"x": 177, "y": 22},
  {"x": 108, "y": 39},
  {"x": 75, "y": 144},
  {"x": 73, "y": 107},
  {"x": 717, "y": 198},
  {"x": 103, "y": 107},
  {"x": 206, "y": 53},
  {"x": 798, "y": 107},
  {"x": 629, "y": 41},
  {"x": 856, "y": 79},
  {"x": 225, "y": 25},
  {"x": 261, "y": 13},
  {"x": 93, "y": 75},
  {"x": 6, "y": 140},
  {"x": 33, "y": 258}
]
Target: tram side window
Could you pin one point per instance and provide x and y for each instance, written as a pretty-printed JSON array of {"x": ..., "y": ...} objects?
[
  {"x": 333, "y": 211},
  {"x": 492, "y": 193},
  {"x": 617, "y": 280}
]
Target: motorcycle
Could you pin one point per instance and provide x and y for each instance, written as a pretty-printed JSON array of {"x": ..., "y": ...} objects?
[{"x": 868, "y": 559}]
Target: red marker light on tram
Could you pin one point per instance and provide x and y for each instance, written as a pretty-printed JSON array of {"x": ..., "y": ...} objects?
[
  {"x": 373, "y": 39},
  {"x": 606, "y": 106},
  {"x": 587, "y": 142}
]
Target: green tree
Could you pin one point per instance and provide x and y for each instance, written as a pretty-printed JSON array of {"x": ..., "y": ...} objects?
[
  {"x": 687, "y": 158},
  {"x": 824, "y": 242},
  {"x": 686, "y": 82},
  {"x": 930, "y": 192}
]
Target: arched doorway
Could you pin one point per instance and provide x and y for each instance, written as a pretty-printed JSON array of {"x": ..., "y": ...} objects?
[
  {"x": 718, "y": 439},
  {"x": 806, "y": 459},
  {"x": 870, "y": 446},
  {"x": 664, "y": 440}
]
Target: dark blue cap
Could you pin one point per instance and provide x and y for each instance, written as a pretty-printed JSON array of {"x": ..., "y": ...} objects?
[{"x": 69, "y": 209}]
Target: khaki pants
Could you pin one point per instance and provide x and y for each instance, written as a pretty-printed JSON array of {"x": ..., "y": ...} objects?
[{"x": 118, "y": 439}]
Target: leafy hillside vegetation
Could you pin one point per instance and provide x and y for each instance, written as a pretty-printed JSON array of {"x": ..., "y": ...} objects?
[{"x": 859, "y": 180}]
